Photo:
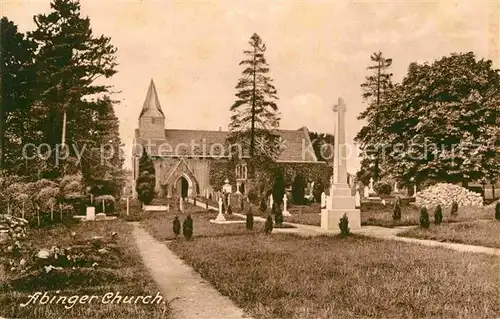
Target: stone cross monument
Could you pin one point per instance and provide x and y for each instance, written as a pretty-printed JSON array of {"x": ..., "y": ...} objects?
[{"x": 341, "y": 200}]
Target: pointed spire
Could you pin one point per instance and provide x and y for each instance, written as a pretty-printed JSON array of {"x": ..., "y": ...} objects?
[{"x": 152, "y": 103}]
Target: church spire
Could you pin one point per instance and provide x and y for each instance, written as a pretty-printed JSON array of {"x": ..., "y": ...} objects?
[{"x": 151, "y": 104}]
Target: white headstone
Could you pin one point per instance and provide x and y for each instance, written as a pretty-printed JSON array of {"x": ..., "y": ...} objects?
[
  {"x": 271, "y": 201},
  {"x": 181, "y": 204},
  {"x": 323, "y": 200},
  {"x": 371, "y": 186},
  {"x": 238, "y": 188},
  {"x": 227, "y": 188},
  {"x": 285, "y": 211},
  {"x": 90, "y": 213},
  {"x": 357, "y": 197},
  {"x": 383, "y": 202},
  {"x": 396, "y": 190},
  {"x": 311, "y": 193},
  {"x": 366, "y": 191},
  {"x": 414, "y": 190}
]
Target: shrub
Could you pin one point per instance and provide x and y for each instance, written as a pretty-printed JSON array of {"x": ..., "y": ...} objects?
[
  {"x": 263, "y": 205},
  {"x": 298, "y": 189},
  {"x": 454, "y": 208},
  {"x": 249, "y": 219},
  {"x": 253, "y": 195},
  {"x": 438, "y": 215},
  {"x": 176, "y": 226},
  {"x": 229, "y": 210},
  {"x": 424, "y": 218},
  {"x": 318, "y": 189},
  {"x": 268, "y": 226},
  {"x": 278, "y": 214},
  {"x": 382, "y": 188},
  {"x": 396, "y": 210},
  {"x": 146, "y": 187},
  {"x": 497, "y": 211},
  {"x": 109, "y": 204},
  {"x": 187, "y": 227},
  {"x": 344, "y": 226}
]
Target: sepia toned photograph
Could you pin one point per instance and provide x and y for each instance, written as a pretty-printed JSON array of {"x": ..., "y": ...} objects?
[{"x": 249, "y": 159}]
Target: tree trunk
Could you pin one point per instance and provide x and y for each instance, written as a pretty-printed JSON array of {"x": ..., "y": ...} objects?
[{"x": 2, "y": 134}]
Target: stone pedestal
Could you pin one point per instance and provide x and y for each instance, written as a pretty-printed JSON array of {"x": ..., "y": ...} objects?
[{"x": 342, "y": 203}]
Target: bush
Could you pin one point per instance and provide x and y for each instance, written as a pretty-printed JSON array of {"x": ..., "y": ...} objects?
[
  {"x": 249, "y": 219},
  {"x": 176, "y": 226},
  {"x": 278, "y": 214},
  {"x": 396, "y": 210},
  {"x": 438, "y": 215},
  {"x": 146, "y": 188},
  {"x": 382, "y": 188},
  {"x": 424, "y": 218},
  {"x": 229, "y": 210},
  {"x": 263, "y": 205},
  {"x": 497, "y": 211},
  {"x": 454, "y": 208},
  {"x": 109, "y": 204},
  {"x": 253, "y": 195},
  {"x": 187, "y": 227},
  {"x": 344, "y": 226},
  {"x": 298, "y": 189},
  {"x": 268, "y": 226}
]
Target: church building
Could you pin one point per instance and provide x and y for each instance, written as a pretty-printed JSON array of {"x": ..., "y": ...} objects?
[{"x": 182, "y": 158}]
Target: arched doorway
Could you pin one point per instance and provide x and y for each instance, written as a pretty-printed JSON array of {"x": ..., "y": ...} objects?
[{"x": 183, "y": 186}]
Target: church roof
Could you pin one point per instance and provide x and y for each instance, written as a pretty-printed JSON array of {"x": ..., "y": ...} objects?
[
  {"x": 151, "y": 104},
  {"x": 192, "y": 143}
]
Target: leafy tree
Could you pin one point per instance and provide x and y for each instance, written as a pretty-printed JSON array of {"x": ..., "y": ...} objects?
[
  {"x": 255, "y": 113},
  {"x": 69, "y": 60},
  {"x": 17, "y": 85},
  {"x": 441, "y": 122},
  {"x": 375, "y": 89}
]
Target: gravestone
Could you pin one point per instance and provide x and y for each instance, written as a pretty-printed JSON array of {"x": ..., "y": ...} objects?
[
  {"x": 285, "y": 211},
  {"x": 220, "y": 216},
  {"x": 90, "y": 213},
  {"x": 357, "y": 197},
  {"x": 323, "y": 200}
]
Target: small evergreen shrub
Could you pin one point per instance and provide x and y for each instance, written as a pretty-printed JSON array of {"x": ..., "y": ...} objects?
[
  {"x": 176, "y": 226},
  {"x": 344, "y": 226},
  {"x": 438, "y": 215},
  {"x": 382, "y": 188},
  {"x": 396, "y": 210},
  {"x": 278, "y": 214},
  {"x": 424, "y": 218},
  {"x": 229, "y": 210},
  {"x": 497, "y": 211},
  {"x": 263, "y": 205},
  {"x": 187, "y": 227},
  {"x": 249, "y": 219},
  {"x": 454, "y": 208},
  {"x": 268, "y": 226}
]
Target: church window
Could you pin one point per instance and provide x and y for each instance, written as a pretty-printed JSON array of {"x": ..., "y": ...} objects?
[{"x": 241, "y": 171}]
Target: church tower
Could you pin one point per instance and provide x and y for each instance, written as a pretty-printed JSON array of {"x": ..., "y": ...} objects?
[{"x": 152, "y": 119}]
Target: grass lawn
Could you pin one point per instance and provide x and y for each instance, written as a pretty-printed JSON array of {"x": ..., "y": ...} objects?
[
  {"x": 120, "y": 270},
  {"x": 482, "y": 233},
  {"x": 286, "y": 276},
  {"x": 159, "y": 225}
]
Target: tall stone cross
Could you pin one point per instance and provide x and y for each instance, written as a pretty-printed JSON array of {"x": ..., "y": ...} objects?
[{"x": 339, "y": 159}]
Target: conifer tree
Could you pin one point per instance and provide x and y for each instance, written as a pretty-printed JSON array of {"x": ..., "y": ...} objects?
[
  {"x": 255, "y": 112},
  {"x": 145, "y": 184},
  {"x": 375, "y": 88}
]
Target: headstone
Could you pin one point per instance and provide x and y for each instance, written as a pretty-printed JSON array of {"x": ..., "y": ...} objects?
[
  {"x": 238, "y": 188},
  {"x": 372, "y": 191},
  {"x": 90, "y": 213},
  {"x": 220, "y": 216},
  {"x": 323, "y": 200},
  {"x": 383, "y": 202},
  {"x": 415, "y": 190},
  {"x": 366, "y": 192},
  {"x": 396, "y": 190},
  {"x": 227, "y": 188},
  {"x": 285, "y": 211},
  {"x": 357, "y": 197},
  {"x": 271, "y": 201},
  {"x": 340, "y": 201},
  {"x": 181, "y": 204},
  {"x": 128, "y": 206}
]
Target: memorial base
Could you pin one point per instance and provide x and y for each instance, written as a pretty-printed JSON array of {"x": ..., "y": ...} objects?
[
  {"x": 341, "y": 202},
  {"x": 220, "y": 218}
]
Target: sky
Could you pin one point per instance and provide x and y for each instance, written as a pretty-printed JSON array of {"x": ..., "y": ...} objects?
[{"x": 318, "y": 51}]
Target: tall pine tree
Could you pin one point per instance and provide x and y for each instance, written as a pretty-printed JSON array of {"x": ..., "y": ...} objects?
[
  {"x": 17, "y": 54},
  {"x": 70, "y": 58},
  {"x": 255, "y": 112},
  {"x": 375, "y": 89}
]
